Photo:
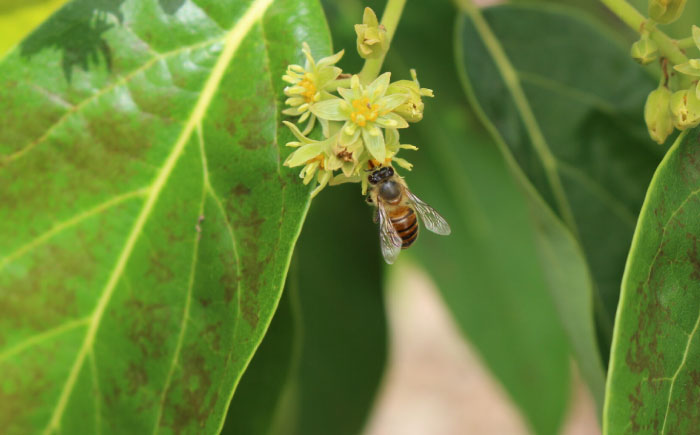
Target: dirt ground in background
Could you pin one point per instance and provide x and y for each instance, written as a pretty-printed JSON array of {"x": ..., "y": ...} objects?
[{"x": 435, "y": 383}]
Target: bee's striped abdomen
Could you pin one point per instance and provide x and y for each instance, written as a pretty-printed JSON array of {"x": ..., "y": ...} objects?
[{"x": 405, "y": 223}]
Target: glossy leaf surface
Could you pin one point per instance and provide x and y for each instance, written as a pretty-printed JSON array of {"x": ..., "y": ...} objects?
[
  {"x": 576, "y": 134},
  {"x": 333, "y": 350},
  {"x": 147, "y": 221},
  {"x": 654, "y": 379}
]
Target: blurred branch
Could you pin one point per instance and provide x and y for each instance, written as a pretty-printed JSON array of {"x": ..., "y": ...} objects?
[{"x": 668, "y": 47}]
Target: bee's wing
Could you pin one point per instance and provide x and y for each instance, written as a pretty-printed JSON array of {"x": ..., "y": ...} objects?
[
  {"x": 432, "y": 219},
  {"x": 388, "y": 237}
]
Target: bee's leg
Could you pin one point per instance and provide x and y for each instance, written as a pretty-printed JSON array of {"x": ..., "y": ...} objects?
[{"x": 376, "y": 216}]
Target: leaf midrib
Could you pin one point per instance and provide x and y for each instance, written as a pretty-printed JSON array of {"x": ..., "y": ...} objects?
[
  {"x": 233, "y": 40},
  {"x": 527, "y": 116}
]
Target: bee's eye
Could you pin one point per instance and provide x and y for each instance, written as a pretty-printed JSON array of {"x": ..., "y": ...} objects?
[{"x": 390, "y": 171}]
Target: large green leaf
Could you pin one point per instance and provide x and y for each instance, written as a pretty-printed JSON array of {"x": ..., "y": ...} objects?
[
  {"x": 338, "y": 330},
  {"x": 146, "y": 221},
  {"x": 654, "y": 380},
  {"x": 488, "y": 270},
  {"x": 546, "y": 81}
]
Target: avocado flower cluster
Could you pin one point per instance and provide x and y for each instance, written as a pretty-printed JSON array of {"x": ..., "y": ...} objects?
[{"x": 360, "y": 122}]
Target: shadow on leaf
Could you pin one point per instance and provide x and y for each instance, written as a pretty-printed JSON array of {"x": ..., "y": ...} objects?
[
  {"x": 77, "y": 31},
  {"x": 171, "y": 6}
]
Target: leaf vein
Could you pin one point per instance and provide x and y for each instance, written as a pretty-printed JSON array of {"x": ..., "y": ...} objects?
[
  {"x": 233, "y": 40},
  {"x": 61, "y": 226},
  {"x": 108, "y": 88},
  {"x": 675, "y": 375},
  {"x": 42, "y": 337}
]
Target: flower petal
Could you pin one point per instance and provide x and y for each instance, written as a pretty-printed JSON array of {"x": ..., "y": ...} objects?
[
  {"x": 333, "y": 110},
  {"x": 391, "y": 137},
  {"x": 342, "y": 178},
  {"x": 696, "y": 35},
  {"x": 378, "y": 87},
  {"x": 330, "y": 60},
  {"x": 392, "y": 120},
  {"x": 322, "y": 181},
  {"x": 347, "y": 138},
  {"x": 391, "y": 102},
  {"x": 327, "y": 74},
  {"x": 688, "y": 69},
  {"x": 348, "y": 94},
  {"x": 403, "y": 163},
  {"x": 304, "y": 154},
  {"x": 374, "y": 144},
  {"x": 299, "y": 135}
]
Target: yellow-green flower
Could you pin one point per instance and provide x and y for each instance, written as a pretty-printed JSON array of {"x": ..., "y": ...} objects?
[
  {"x": 692, "y": 67},
  {"x": 315, "y": 155},
  {"x": 359, "y": 174},
  {"x": 371, "y": 36},
  {"x": 685, "y": 108},
  {"x": 657, "y": 114},
  {"x": 393, "y": 146},
  {"x": 365, "y": 110},
  {"x": 307, "y": 84},
  {"x": 412, "y": 109}
]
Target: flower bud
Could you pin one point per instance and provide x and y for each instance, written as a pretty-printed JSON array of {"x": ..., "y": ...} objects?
[
  {"x": 685, "y": 108},
  {"x": 665, "y": 11},
  {"x": 644, "y": 51},
  {"x": 371, "y": 36},
  {"x": 657, "y": 114},
  {"x": 412, "y": 109}
]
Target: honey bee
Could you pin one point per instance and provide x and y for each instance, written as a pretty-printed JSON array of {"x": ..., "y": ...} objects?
[{"x": 397, "y": 209}]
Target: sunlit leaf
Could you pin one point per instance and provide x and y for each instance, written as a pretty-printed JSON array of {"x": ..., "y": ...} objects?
[
  {"x": 654, "y": 379},
  {"x": 19, "y": 17},
  {"x": 147, "y": 223}
]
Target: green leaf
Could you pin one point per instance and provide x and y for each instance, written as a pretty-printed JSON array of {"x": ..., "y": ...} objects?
[
  {"x": 338, "y": 331},
  {"x": 654, "y": 379},
  {"x": 257, "y": 406},
  {"x": 488, "y": 269},
  {"x": 147, "y": 221},
  {"x": 574, "y": 129}
]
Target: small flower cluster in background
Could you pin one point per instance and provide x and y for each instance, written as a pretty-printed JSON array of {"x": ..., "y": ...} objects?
[
  {"x": 360, "y": 122},
  {"x": 675, "y": 104}
]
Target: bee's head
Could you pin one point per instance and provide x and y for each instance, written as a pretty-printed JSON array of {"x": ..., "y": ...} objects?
[{"x": 380, "y": 175}]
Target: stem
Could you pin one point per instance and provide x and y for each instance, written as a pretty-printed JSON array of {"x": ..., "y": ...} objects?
[
  {"x": 686, "y": 42},
  {"x": 390, "y": 20},
  {"x": 635, "y": 20},
  {"x": 338, "y": 83}
]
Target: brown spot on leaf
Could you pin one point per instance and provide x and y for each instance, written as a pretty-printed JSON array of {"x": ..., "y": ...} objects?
[
  {"x": 240, "y": 190},
  {"x": 136, "y": 377},
  {"x": 198, "y": 398},
  {"x": 148, "y": 327},
  {"x": 159, "y": 269}
]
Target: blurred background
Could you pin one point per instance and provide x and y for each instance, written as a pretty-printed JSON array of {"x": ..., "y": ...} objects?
[{"x": 460, "y": 336}]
